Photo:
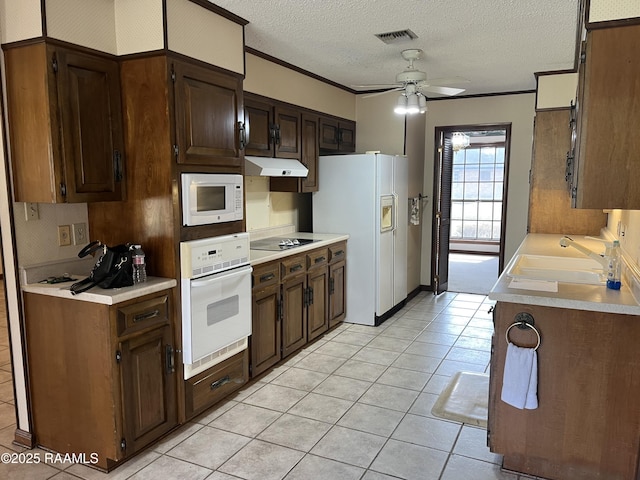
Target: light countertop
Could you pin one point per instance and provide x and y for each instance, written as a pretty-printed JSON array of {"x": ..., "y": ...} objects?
[
  {"x": 575, "y": 296},
  {"x": 319, "y": 240},
  {"x": 101, "y": 295}
]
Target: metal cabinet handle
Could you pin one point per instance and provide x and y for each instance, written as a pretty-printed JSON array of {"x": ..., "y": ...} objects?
[
  {"x": 146, "y": 316},
  {"x": 319, "y": 259},
  {"x": 169, "y": 359},
  {"x": 117, "y": 165},
  {"x": 243, "y": 135},
  {"x": 218, "y": 383},
  {"x": 267, "y": 277},
  {"x": 338, "y": 253},
  {"x": 295, "y": 268}
]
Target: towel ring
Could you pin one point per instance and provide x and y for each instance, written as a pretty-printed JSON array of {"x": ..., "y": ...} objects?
[{"x": 523, "y": 324}]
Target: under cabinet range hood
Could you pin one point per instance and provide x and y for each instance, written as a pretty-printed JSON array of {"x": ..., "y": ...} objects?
[{"x": 274, "y": 167}]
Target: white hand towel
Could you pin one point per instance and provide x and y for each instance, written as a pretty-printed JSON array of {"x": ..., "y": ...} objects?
[{"x": 520, "y": 379}]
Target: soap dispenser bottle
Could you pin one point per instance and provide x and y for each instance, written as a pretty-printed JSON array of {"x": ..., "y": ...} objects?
[{"x": 613, "y": 271}]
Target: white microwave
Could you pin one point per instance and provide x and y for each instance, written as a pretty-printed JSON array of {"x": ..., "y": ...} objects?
[{"x": 211, "y": 198}]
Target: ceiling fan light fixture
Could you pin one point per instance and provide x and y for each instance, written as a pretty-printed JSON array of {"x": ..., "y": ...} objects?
[
  {"x": 413, "y": 104},
  {"x": 422, "y": 103},
  {"x": 401, "y": 105}
]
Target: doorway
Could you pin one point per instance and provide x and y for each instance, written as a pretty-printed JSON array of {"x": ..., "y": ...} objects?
[{"x": 469, "y": 209}]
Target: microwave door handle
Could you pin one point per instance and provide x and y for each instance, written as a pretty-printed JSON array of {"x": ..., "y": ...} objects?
[{"x": 218, "y": 276}]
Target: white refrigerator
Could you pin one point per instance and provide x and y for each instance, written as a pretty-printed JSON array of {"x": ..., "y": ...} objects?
[{"x": 366, "y": 196}]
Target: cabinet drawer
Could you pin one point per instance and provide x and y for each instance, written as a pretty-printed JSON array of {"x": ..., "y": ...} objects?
[
  {"x": 265, "y": 275},
  {"x": 293, "y": 266},
  {"x": 211, "y": 386},
  {"x": 337, "y": 252},
  {"x": 144, "y": 314},
  {"x": 317, "y": 258}
]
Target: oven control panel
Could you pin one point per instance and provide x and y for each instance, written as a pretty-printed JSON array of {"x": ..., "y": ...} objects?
[{"x": 212, "y": 255}]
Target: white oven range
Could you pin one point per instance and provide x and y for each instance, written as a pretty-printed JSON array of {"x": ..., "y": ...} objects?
[{"x": 216, "y": 300}]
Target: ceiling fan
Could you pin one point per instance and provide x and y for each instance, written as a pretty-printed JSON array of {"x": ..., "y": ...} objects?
[{"x": 414, "y": 81}]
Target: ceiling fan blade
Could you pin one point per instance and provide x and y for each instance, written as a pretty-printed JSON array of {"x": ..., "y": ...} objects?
[
  {"x": 376, "y": 85},
  {"x": 442, "y": 90},
  {"x": 448, "y": 81},
  {"x": 375, "y": 94}
]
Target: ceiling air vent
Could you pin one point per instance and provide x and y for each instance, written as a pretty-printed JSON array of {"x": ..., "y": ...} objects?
[{"x": 397, "y": 37}]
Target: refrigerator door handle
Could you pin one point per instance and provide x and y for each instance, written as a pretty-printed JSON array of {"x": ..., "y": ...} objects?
[{"x": 394, "y": 220}]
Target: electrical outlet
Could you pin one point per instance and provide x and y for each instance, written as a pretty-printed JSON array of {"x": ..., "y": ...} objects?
[
  {"x": 31, "y": 212},
  {"x": 64, "y": 235},
  {"x": 79, "y": 233}
]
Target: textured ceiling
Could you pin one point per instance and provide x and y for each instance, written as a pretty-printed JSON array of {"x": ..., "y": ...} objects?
[{"x": 497, "y": 45}]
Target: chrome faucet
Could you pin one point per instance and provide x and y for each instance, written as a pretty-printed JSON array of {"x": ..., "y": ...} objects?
[{"x": 603, "y": 259}]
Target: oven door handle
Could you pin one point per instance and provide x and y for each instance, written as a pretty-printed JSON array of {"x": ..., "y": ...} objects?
[{"x": 203, "y": 282}]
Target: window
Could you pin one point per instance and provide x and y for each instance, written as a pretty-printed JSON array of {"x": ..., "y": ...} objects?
[{"x": 476, "y": 193}]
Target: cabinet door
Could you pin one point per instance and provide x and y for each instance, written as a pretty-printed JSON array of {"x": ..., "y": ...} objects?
[
  {"x": 294, "y": 314},
  {"x": 549, "y": 200},
  {"x": 583, "y": 388},
  {"x": 310, "y": 152},
  {"x": 609, "y": 120},
  {"x": 317, "y": 314},
  {"x": 337, "y": 293},
  {"x": 208, "y": 116},
  {"x": 347, "y": 136},
  {"x": 90, "y": 110},
  {"x": 148, "y": 387},
  {"x": 259, "y": 126},
  {"x": 329, "y": 134},
  {"x": 266, "y": 334},
  {"x": 287, "y": 132}
]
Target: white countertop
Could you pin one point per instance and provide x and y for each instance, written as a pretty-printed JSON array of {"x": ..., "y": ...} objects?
[
  {"x": 101, "y": 295},
  {"x": 319, "y": 240},
  {"x": 575, "y": 296}
]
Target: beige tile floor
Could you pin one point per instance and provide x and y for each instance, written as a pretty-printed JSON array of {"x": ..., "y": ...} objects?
[{"x": 356, "y": 404}]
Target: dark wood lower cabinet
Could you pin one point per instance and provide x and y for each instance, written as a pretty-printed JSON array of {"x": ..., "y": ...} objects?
[
  {"x": 317, "y": 317},
  {"x": 337, "y": 305},
  {"x": 295, "y": 301},
  {"x": 587, "y": 424},
  {"x": 294, "y": 314},
  {"x": 215, "y": 383},
  {"x": 100, "y": 376},
  {"x": 266, "y": 337}
]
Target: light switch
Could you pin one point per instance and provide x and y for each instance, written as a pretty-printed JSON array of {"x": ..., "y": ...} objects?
[{"x": 31, "y": 212}]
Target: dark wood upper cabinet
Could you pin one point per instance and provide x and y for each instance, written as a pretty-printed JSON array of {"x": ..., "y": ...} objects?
[
  {"x": 273, "y": 130},
  {"x": 608, "y": 119},
  {"x": 65, "y": 124},
  {"x": 337, "y": 136},
  {"x": 309, "y": 158},
  {"x": 209, "y": 117},
  {"x": 310, "y": 152}
]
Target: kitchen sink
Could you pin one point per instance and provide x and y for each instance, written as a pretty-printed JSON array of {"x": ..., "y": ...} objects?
[{"x": 559, "y": 269}]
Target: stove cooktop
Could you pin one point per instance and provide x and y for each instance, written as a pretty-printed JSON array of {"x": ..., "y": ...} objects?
[{"x": 276, "y": 244}]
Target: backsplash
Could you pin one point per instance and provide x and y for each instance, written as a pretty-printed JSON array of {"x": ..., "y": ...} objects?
[
  {"x": 270, "y": 209},
  {"x": 37, "y": 240}
]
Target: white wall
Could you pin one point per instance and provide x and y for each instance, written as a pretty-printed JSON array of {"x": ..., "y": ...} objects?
[
  {"x": 629, "y": 222},
  {"x": 519, "y": 110},
  {"x": 378, "y": 127}
]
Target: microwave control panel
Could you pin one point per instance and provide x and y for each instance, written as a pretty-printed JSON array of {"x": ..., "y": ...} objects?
[{"x": 212, "y": 255}]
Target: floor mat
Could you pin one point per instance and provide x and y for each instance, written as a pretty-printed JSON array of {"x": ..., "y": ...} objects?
[{"x": 465, "y": 399}]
